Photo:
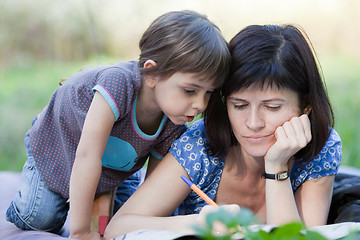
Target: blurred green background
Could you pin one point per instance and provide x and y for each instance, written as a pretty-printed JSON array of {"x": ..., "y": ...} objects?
[{"x": 44, "y": 41}]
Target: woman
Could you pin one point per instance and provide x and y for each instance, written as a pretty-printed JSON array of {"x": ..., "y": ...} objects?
[{"x": 266, "y": 143}]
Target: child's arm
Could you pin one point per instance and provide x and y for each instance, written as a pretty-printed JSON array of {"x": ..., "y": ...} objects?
[
  {"x": 153, "y": 202},
  {"x": 87, "y": 166}
]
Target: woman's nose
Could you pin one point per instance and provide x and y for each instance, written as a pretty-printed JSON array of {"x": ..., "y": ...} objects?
[{"x": 255, "y": 120}]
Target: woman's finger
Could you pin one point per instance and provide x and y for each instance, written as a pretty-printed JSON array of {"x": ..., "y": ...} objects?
[
  {"x": 289, "y": 131},
  {"x": 299, "y": 132},
  {"x": 307, "y": 126}
]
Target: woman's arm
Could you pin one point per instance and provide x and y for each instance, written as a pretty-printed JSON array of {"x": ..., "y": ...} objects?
[
  {"x": 153, "y": 203},
  {"x": 87, "y": 166},
  {"x": 310, "y": 204},
  {"x": 313, "y": 199},
  {"x": 152, "y": 164},
  {"x": 292, "y": 136}
]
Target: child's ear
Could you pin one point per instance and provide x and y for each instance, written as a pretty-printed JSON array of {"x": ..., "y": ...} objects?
[
  {"x": 150, "y": 79},
  {"x": 149, "y": 64},
  {"x": 307, "y": 110}
]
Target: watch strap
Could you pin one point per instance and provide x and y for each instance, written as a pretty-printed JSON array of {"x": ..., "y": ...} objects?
[{"x": 281, "y": 176}]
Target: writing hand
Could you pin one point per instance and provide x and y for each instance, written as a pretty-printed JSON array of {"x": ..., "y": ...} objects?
[{"x": 218, "y": 228}]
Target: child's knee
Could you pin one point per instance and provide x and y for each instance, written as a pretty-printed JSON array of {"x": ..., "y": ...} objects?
[{"x": 37, "y": 217}]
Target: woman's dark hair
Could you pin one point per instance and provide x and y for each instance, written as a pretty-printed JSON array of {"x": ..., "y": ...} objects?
[
  {"x": 275, "y": 56},
  {"x": 185, "y": 41}
]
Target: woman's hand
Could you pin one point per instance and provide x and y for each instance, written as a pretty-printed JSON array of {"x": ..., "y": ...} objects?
[
  {"x": 292, "y": 136},
  {"x": 218, "y": 229}
]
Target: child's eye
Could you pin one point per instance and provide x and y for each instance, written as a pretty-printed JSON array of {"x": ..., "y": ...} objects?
[{"x": 189, "y": 91}]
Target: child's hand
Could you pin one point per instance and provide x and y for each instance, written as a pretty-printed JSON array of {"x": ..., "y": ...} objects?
[
  {"x": 292, "y": 136},
  {"x": 87, "y": 236}
]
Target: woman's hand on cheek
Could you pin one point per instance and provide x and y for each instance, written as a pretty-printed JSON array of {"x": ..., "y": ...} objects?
[{"x": 292, "y": 136}]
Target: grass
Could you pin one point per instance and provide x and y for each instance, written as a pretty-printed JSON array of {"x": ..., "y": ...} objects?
[
  {"x": 342, "y": 76},
  {"x": 29, "y": 87}
]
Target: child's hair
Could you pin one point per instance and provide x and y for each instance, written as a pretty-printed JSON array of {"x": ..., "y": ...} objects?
[
  {"x": 185, "y": 41},
  {"x": 272, "y": 56}
]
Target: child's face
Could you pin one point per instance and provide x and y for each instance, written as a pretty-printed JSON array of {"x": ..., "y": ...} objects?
[
  {"x": 255, "y": 114},
  {"x": 183, "y": 96}
]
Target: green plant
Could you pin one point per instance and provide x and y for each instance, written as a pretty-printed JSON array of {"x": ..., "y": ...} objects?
[{"x": 231, "y": 228}]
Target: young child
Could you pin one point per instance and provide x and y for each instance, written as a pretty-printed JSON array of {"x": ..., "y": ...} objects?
[
  {"x": 103, "y": 123},
  {"x": 265, "y": 143}
]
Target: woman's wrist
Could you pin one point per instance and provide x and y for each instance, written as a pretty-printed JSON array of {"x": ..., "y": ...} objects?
[{"x": 275, "y": 168}]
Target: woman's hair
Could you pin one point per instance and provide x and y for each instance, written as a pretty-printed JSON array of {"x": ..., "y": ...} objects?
[
  {"x": 271, "y": 56},
  {"x": 185, "y": 41}
]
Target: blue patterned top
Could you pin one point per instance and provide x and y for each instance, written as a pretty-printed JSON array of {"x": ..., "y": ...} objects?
[{"x": 205, "y": 171}]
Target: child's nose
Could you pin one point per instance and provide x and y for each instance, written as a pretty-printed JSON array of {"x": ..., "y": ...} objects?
[{"x": 200, "y": 102}]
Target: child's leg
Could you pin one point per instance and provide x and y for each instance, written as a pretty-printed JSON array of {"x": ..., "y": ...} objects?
[
  {"x": 104, "y": 206},
  {"x": 35, "y": 207},
  {"x": 102, "y": 211}
]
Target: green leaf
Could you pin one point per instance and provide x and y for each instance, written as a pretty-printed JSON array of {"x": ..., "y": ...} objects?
[
  {"x": 288, "y": 231},
  {"x": 311, "y": 235}
]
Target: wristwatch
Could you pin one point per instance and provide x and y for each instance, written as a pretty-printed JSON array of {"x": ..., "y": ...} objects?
[{"x": 281, "y": 176}]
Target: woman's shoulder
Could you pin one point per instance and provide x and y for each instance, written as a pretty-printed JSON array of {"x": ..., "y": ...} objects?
[
  {"x": 332, "y": 150},
  {"x": 333, "y": 136},
  {"x": 197, "y": 128},
  {"x": 190, "y": 151},
  {"x": 194, "y": 133},
  {"x": 327, "y": 162}
]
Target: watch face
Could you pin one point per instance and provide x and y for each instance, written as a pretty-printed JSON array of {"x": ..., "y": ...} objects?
[{"x": 283, "y": 175}]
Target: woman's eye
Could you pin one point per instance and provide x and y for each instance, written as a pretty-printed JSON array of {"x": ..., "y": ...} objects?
[
  {"x": 242, "y": 106},
  {"x": 273, "y": 108}
]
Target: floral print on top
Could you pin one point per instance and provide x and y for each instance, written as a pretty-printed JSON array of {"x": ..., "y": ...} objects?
[{"x": 205, "y": 171}]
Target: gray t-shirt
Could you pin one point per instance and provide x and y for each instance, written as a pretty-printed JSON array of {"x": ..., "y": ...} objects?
[{"x": 55, "y": 134}]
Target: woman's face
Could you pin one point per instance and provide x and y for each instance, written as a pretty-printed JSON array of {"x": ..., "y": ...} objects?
[{"x": 255, "y": 113}]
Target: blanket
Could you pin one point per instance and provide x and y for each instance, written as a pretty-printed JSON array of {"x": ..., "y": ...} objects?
[
  {"x": 345, "y": 208},
  {"x": 10, "y": 182}
]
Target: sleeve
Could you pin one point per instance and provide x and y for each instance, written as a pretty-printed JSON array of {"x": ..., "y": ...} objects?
[
  {"x": 204, "y": 171},
  {"x": 326, "y": 163},
  {"x": 172, "y": 132},
  {"x": 115, "y": 85},
  {"x": 189, "y": 151}
]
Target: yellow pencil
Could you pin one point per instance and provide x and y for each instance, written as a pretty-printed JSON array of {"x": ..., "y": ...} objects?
[
  {"x": 198, "y": 191},
  {"x": 201, "y": 193}
]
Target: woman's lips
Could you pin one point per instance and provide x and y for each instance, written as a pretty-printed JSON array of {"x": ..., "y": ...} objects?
[{"x": 256, "y": 139}]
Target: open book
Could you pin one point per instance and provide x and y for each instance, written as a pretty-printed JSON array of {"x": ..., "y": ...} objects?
[{"x": 331, "y": 231}]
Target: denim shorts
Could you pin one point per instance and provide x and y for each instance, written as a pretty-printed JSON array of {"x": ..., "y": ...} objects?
[{"x": 35, "y": 207}]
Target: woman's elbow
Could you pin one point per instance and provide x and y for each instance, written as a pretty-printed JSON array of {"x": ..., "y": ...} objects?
[
  {"x": 114, "y": 228},
  {"x": 110, "y": 233}
]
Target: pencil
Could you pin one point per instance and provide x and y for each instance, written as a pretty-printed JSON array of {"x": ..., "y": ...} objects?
[
  {"x": 198, "y": 191},
  {"x": 201, "y": 194}
]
